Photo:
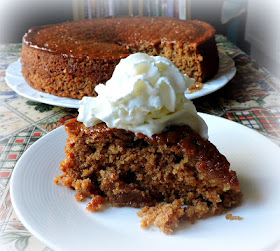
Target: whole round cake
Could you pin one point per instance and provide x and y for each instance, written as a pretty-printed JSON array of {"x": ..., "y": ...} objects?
[{"x": 69, "y": 59}]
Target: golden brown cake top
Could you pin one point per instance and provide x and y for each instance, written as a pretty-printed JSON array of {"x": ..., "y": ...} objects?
[{"x": 112, "y": 37}]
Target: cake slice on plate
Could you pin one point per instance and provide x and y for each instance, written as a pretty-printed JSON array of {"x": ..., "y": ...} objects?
[{"x": 141, "y": 143}]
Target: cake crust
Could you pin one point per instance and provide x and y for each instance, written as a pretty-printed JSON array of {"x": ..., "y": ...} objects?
[{"x": 71, "y": 58}]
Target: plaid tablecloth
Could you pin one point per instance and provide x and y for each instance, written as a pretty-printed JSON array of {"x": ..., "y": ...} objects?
[{"x": 251, "y": 98}]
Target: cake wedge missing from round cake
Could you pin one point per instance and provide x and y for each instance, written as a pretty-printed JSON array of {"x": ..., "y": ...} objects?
[
  {"x": 69, "y": 59},
  {"x": 141, "y": 143}
]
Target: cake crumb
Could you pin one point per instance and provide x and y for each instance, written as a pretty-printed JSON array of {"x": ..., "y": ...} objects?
[
  {"x": 95, "y": 204},
  {"x": 231, "y": 217},
  {"x": 79, "y": 196},
  {"x": 163, "y": 215},
  {"x": 196, "y": 87},
  {"x": 56, "y": 180}
]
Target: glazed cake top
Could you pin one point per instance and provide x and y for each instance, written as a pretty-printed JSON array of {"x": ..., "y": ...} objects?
[{"x": 111, "y": 37}]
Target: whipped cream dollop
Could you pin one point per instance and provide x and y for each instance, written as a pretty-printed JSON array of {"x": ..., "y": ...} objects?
[{"x": 145, "y": 95}]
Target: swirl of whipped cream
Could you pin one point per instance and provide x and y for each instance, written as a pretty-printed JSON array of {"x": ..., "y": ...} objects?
[{"x": 145, "y": 95}]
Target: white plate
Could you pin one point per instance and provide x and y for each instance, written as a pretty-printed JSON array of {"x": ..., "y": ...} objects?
[
  {"x": 51, "y": 213},
  {"x": 15, "y": 80}
]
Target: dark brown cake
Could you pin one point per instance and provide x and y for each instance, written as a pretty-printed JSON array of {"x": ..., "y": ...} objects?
[
  {"x": 71, "y": 58},
  {"x": 175, "y": 168}
]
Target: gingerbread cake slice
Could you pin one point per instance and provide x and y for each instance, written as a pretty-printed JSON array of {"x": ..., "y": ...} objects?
[
  {"x": 177, "y": 166},
  {"x": 141, "y": 143}
]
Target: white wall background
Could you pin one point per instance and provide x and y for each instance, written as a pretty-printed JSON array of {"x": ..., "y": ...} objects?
[
  {"x": 263, "y": 33},
  {"x": 17, "y": 16}
]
